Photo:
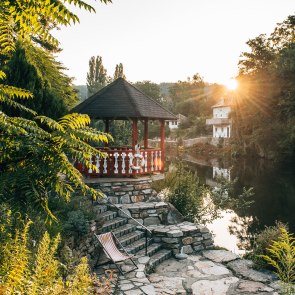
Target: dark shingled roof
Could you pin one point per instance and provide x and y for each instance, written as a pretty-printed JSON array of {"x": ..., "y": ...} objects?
[{"x": 121, "y": 100}]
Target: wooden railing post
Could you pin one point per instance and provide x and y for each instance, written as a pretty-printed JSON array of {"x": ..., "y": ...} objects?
[{"x": 162, "y": 144}]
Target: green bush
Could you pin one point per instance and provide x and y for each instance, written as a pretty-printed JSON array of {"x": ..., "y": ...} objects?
[
  {"x": 263, "y": 241},
  {"x": 185, "y": 192},
  {"x": 76, "y": 225},
  {"x": 281, "y": 256},
  {"x": 37, "y": 271}
]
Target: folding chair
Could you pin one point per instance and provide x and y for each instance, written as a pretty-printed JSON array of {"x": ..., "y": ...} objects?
[{"x": 108, "y": 242}]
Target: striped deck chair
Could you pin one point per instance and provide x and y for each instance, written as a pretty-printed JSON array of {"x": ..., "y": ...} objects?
[{"x": 109, "y": 244}]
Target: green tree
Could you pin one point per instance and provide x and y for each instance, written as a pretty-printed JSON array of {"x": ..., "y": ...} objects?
[
  {"x": 35, "y": 151},
  {"x": 119, "y": 72},
  {"x": 265, "y": 104},
  {"x": 150, "y": 89},
  {"x": 97, "y": 76},
  {"x": 52, "y": 90}
]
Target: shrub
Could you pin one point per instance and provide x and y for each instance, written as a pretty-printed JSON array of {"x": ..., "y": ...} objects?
[
  {"x": 185, "y": 191},
  {"x": 76, "y": 224},
  {"x": 25, "y": 272},
  {"x": 281, "y": 256},
  {"x": 264, "y": 240}
]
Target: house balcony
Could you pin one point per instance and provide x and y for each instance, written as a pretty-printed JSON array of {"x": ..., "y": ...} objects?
[
  {"x": 122, "y": 162},
  {"x": 218, "y": 121}
]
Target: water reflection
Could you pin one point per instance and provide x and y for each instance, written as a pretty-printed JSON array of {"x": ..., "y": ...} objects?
[
  {"x": 231, "y": 232},
  {"x": 274, "y": 198}
]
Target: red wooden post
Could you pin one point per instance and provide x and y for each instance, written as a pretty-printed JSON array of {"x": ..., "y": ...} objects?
[
  {"x": 146, "y": 133},
  {"x": 134, "y": 139},
  {"x": 162, "y": 143}
]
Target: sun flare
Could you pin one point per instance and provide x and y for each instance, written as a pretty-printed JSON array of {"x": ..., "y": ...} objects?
[{"x": 231, "y": 84}]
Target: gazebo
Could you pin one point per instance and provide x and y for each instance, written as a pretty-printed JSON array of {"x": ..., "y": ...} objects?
[{"x": 122, "y": 101}]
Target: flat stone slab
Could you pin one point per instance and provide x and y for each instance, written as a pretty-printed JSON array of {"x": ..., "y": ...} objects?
[
  {"x": 148, "y": 289},
  {"x": 253, "y": 287},
  {"x": 243, "y": 268},
  {"x": 220, "y": 255},
  {"x": 217, "y": 287},
  {"x": 210, "y": 268},
  {"x": 164, "y": 285}
]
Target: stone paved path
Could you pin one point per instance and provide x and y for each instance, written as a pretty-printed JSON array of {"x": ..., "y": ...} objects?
[{"x": 213, "y": 272}]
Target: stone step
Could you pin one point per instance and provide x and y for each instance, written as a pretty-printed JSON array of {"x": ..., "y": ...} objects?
[
  {"x": 137, "y": 245},
  {"x": 108, "y": 215},
  {"x": 151, "y": 250},
  {"x": 124, "y": 229},
  {"x": 159, "y": 257},
  {"x": 127, "y": 239},
  {"x": 100, "y": 208},
  {"x": 113, "y": 223}
]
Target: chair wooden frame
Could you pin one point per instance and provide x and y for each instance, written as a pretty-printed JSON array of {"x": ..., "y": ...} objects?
[{"x": 109, "y": 243}]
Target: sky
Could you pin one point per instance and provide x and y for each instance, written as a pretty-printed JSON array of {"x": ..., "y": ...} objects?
[{"x": 168, "y": 40}]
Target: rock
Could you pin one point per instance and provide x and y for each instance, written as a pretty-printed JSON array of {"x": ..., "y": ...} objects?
[
  {"x": 210, "y": 268},
  {"x": 161, "y": 205},
  {"x": 197, "y": 239},
  {"x": 187, "y": 249},
  {"x": 113, "y": 200},
  {"x": 198, "y": 248},
  {"x": 250, "y": 286},
  {"x": 170, "y": 240},
  {"x": 126, "y": 287},
  {"x": 148, "y": 289},
  {"x": 125, "y": 199},
  {"x": 187, "y": 240},
  {"x": 140, "y": 275},
  {"x": 175, "y": 233},
  {"x": 144, "y": 259},
  {"x": 151, "y": 220},
  {"x": 133, "y": 222},
  {"x": 174, "y": 216},
  {"x": 136, "y": 199},
  {"x": 217, "y": 287},
  {"x": 167, "y": 285},
  {"x": 220, "y": 255},
  {"x": 203, "y": 229},
  {"x": 243, "y": 268},
  {"x": 181, "y": 256},
  {"x": 124, "y": 213},
  {"x": 207, "y": 236},
  {"x": 133, "y": 292},
  {"x": 152, "y": 211}
]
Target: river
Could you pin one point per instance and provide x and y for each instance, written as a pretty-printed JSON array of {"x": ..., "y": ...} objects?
[{"x": 274, "y": 198}]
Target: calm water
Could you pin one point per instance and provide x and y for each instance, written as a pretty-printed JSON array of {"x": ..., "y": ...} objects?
[{"x": 274, "y": 198}]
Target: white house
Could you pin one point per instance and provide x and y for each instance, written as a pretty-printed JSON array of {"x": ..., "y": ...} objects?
[
  {"x": 175, "y": 124},
  {"x": 221, "y": 122}
]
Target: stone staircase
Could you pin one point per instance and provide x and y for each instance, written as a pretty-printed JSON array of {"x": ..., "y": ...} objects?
[{"x": 131, "y": 237}]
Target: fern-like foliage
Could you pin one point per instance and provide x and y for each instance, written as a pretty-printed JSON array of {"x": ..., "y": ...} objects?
[
  {"x": 33, "y": 19},
  {"x": 282, "y": 258},
  {"x": 36, "y": 157},
  {"x": 15, "y": 263},
  {"x": 28, "y": 273},
  {"x": 81, "y": 280},
  {"x": 37, "y": 154}
]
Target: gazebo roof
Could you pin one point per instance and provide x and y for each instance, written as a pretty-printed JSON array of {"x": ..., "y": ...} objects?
[{"x": 121, "y": 100}]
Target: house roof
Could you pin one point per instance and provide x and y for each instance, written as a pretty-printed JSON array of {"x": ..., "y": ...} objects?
[
  {"x": 121, "y": 100},
  {"x": 224, "y": 102}
]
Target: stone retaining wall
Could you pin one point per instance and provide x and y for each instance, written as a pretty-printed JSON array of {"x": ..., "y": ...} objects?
[
  {"x": 152, "y": 213},
  {"x": 128, "y": 191},
  {"x": 186, "y": 235}
]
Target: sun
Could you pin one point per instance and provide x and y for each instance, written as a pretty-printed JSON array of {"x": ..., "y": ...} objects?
[{"x": 231, "y": 84}]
